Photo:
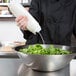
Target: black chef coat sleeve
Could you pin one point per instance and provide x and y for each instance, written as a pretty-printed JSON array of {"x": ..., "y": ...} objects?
[
  {"x": 74, "y": 28},
  {"x": 34, "y": 11}
]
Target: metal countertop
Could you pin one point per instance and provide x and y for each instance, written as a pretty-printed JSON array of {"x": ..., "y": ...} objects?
[{"x": 10, "y": 67}]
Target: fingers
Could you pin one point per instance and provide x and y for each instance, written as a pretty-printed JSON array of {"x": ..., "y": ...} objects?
[
  {"x": 22, "y": 22},
  {"x": 18, "y": 18}
]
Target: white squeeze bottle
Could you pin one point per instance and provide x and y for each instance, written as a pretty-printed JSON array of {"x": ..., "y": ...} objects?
[{"x": 17, "y": 9}]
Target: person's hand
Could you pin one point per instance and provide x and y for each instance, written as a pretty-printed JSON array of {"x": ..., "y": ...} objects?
[{"x": 22, "y": 22}]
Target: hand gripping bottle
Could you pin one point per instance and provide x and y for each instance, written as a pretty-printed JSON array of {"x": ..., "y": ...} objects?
[{"x": 17, "y": 9}]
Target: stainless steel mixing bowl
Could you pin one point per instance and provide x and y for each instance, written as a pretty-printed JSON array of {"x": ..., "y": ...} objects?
[{"x": 48, "y": 62}]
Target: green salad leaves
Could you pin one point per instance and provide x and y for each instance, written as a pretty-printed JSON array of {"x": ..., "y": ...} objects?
[{"x": 39, "y": 50}]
